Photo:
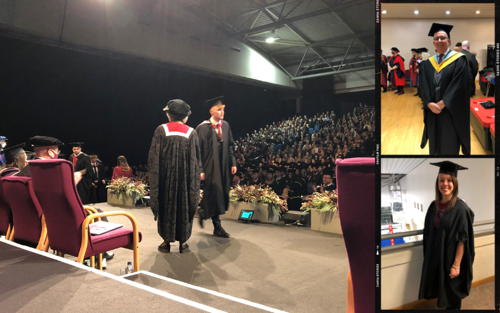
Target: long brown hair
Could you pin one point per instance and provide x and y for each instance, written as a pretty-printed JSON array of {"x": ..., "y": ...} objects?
[
  {"x": 122, "y": 161},
  {"x": 19, "y": 162},
  {"x": 454, "y": 194}
]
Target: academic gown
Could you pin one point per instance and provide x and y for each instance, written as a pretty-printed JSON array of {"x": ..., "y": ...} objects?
[
  {"x": 174, "y": 179},
  {"x": 217, "y": 158},
  {"x": 450, "y": 129},
  {"x": 473, "y": 68},
  {"x": 439, "y": 255},
  {"x": 413, "y": 72},
  {"x": 98, "y": 193},
  {"x": 398, "y": 74},
  {"x": 83, "y": 187}
]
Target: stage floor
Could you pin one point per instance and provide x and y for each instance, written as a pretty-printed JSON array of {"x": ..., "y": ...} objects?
[{"x": 283, "y": 267}]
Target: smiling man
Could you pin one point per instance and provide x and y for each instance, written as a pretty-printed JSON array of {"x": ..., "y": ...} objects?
[{"x": 444, "y": 89}]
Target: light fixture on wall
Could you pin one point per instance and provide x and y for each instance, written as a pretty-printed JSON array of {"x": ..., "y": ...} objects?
[
  {"x": 447, "y": 12},
  {"x": 383, "y": 12},
  {"x": 416, "y": 12},
  {"x": 477, "y": 12}
]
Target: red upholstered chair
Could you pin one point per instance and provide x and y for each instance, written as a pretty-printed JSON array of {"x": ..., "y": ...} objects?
[
  {"x": 356, "y": 203},
  {"x": 5, "y": 216},
  {"x": 26, "y": 212},
  {"x": 66, "y": 218}
]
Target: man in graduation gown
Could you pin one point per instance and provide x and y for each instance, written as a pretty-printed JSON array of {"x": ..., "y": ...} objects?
[
  {"x": 81, "y": 163},
  {"x": 218, "y": 164},
  {"x": 98, "y": 188},
  {"x": 46, "y": 148},
  {"x": 444, "y": 90},
  {"x": 453, "y": 236},
  {"x": 397, "y": 69},
  {"x": 174, "y": 176},
  {"x": 473, "y": 66}
]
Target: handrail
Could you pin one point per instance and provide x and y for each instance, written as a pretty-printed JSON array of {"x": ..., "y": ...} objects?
[
  {"x": 418, "y": 243},
  {"x": 421, "y": 231}
]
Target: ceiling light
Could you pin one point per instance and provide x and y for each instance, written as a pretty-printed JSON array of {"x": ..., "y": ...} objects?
[
  {"x": 416, "y": 12},
  {"x": 383, "y": 12},
  {"x": 447, "y": 12},
  {"x": 270, "y": 40},
  {"x": 477, "y": 12}
]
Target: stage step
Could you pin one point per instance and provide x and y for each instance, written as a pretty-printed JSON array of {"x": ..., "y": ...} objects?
[
  {"x": 303, "y": 217},
  {"x": 201, "y": 295}
]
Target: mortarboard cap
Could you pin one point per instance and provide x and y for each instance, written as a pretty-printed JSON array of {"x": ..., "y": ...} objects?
[
  {"x": 395, "y": 49},
  {"x": 44, "y": 141},
  {"x": 459, "y": 44},
  {"x": 421, "y": 50},
  {"x": 178, "y": 108},
  {"x": 414, "y": 50},
  {"x": 450, "y": 168},
  {"x": 213, "y": 102},
  {"x": 436, "y": 27},
  {"x": 328, "y": 171},
  {"x": 13, "y": 152},
  {"x": 76, "y": 144},
  {"x": 3, "y": 138}
]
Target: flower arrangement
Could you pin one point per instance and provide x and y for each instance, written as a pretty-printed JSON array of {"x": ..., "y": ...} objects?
[
  {"x": 259, "y": 194},
  {"x": 321, "y": 202},
  {"x": 125, "y": 187}
]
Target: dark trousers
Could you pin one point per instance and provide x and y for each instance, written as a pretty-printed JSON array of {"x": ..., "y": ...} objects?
[
  {"x": 444, "y": 143},
  {"x": 216, "y": 221}
]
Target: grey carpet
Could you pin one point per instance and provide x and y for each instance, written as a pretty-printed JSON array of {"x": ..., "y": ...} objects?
[{"x": 284, "y": 267}]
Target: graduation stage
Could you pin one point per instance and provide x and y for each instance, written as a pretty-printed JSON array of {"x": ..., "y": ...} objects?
[
  {"x": 284, "y": 268},
  {"x": 402, "y": 124}
]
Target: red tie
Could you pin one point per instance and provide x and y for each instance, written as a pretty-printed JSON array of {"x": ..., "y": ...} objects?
[
  {"x": 74, "y": 160},
  {"x": 217, "y": 126}
]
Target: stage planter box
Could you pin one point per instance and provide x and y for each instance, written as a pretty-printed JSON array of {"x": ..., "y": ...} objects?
[
  {"x": 125, "y": 201},
  {"x": 261, "y": 212},
  {"x": 326, "y": 222}
]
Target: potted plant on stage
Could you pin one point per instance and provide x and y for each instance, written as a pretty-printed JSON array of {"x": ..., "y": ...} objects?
[
  {"x": 255, "y": 198},
  {"x": 324, "y": 211},
  {"x": 125, "y": 191}
]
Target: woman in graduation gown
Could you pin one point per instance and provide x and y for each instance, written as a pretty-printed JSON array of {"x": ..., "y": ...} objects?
[
  {"x": 397, "y": 68},
  {"x": 448, "y": 243},
  {"x": 15, "y": 160}
]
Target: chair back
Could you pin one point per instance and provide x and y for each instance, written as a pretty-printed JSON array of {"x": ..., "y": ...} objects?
[
  {"x": 54, "y": 185},
  {"x": 26, "y": 210},
  {"x": 5, "y": 213},
  {"x": 356, "y": 197}
]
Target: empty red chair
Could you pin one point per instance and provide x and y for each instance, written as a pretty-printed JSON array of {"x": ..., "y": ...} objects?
[
  {"x": 5, "y": 216},
  {"x": 356, "y": 198},
  {"x": 66, "y": 219},
  {"x": 26, "y": 211}
]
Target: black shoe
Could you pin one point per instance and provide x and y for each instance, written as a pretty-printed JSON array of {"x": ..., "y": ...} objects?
[
  {"x": 108, "y": 255},
  {"x": 183, "y": 248},
  {"x": 220, "y": 232},
  {"x": 384, "y": 91},
  {"x": 164, "y": 247},
  {"x": 200, "y": 221},
  {"x": 415, "y": 95}
]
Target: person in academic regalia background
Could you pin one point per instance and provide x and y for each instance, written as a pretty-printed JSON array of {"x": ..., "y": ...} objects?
[
  {"x": 174, "y": 175},
  {"x": 218, "y": 164},
  {"x": 397, "y": 69},
  {"x": 98, "y": 189},
  {"x": 413, "y": 69},
  {"x": 3, "y": 144},
  {"x": 444, "y": 89},
  {"x": 473, "y": 66},
  {"x": 81, "y": 163},
  {"x": 448, "y": 243},
  {"x": 45, "y": 148},
  {"x": 15, "y": 160},
  {"x": 383, "y": 71}
]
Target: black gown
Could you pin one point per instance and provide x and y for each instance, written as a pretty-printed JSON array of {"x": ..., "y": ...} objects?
[
  {"x": 217, "y": 158},
  {"x": 174, "y": 180},
  {"x": 85, "y": 184},
  {"x": 439, "y": 255},
  {"x": 450, "y": 129}
]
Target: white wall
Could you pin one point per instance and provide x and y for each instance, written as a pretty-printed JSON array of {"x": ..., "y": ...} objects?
[
  {"x": 158, "y": 30},
  {"x": 476, "y": 187},
  {"x": 406, "y": 34}
]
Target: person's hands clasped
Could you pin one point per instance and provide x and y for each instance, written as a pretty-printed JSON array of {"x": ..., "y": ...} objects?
[
  {"x": 434, "y": 107},
  {"x": 454, "y": 272}
]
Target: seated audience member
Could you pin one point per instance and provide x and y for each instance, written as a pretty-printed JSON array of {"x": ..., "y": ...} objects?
[
  {"x": 236, "y": 180},
  {"x": 15, "y": 160},
  {"x": 123, "y": 169},
  {"x": 328, "y": 181},
  {"x": 294, "y": 192},
  {"x": 255, "y": 178}
]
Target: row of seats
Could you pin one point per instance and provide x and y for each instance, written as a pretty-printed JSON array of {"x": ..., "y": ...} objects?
[{"x": 45, "y": 210}]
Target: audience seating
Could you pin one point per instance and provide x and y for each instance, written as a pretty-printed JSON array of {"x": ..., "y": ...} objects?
[
  {"x": 5, "y": 216},
  {"x": 67, "y": 220},
  {"x": 356, "y": 197},
  {"x": 26, "y": 211}
]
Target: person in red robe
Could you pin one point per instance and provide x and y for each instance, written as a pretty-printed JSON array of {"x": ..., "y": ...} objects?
[
  {"x": 414, "y": 69},
  {"x": 383, "y": 71},
  {"x": 397, "y": 71},
  {"x": 122, "y": 169}
]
